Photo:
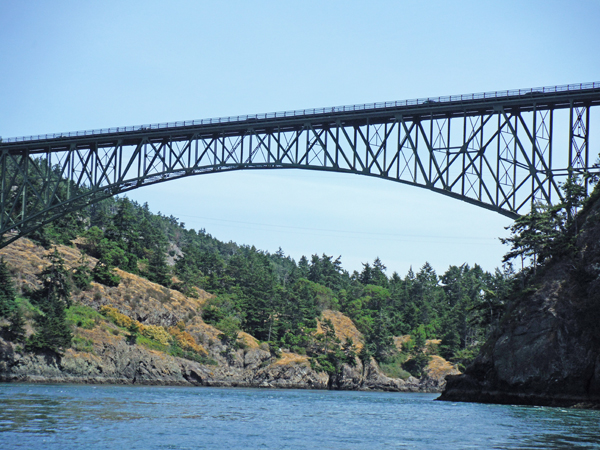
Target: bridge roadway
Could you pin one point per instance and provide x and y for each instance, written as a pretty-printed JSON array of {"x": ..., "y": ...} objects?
[{"x": 502, "y": 150}]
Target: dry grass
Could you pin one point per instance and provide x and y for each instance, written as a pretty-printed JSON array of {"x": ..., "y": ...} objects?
[
  {"x": 291, "y": 359},
  {"x": 145, "y": 301},
  {"x": 438, "y": 367},
  {"x": 135, "y": 296},
  {"x": 344, "y": 328},
  {"x": 399, "y": 341},
  {"x": 249, "y": 340}
]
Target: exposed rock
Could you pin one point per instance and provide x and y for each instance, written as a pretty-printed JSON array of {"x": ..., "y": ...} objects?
[
  {"x": 113, "y": 360},
  {"x": 547, "y": 349}
]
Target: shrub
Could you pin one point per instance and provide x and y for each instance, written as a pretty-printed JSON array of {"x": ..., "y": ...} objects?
[
  {"x": 82, "y": 344},
  {"x": 156, "y": 333},
  {"x": 105, "y": 275},
  {"x": 83, "y": 316},
  {"x": 393, "y": 368},
  {"x": 119, "y": 319},
  {"x": 186, "y": 341}
]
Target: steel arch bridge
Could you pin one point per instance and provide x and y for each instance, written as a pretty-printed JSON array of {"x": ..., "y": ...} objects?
[{"x": 503, "y": 151}]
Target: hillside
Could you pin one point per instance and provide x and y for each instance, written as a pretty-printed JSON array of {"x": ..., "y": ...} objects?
[
  {"x": 546, "y": 350},
  {"x": 106, "y": 350}
]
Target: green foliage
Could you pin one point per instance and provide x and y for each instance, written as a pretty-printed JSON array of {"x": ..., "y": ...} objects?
[
  {"x": 278, "y": 300},
  {"x": 230, "y": 327},
  {"x": 8, "y": 304},
  {"x": 464, "y": 357},
  {"x": 55, "y": 281},
  {"x": 151, "y": 344},
  {"x": 393, "y": 368},
  {"x": 417, "y": 364},
  {"x": 177, "y": 351},
  {"x": 82, "y": 276},
  {"x": 16, "y": 326},
  {"x": 52, "y": 331},
  {"x": 158, "y": 271},
  {"x": 328, "y": 354},
  {"x": 547, "y": 231},
  {"x": 83, "y": 316},
  {"x": 82, "y": 344},
  {"x": 104, "y": 274}
]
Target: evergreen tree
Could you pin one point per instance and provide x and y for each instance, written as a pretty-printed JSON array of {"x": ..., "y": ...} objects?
[
  {"x": 9, "y": 309},
  {"x": 303, "y": 267},
  {"x": 158, "y": 271},
  {"x": 82, "y": 276},
  {"x": 7, "y": 291},
  {"x": 103, "y": 273},
  {"x": 53, "y": 297}
]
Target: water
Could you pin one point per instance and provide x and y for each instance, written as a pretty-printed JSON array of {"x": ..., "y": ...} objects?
[{"x": 138, "y": 417}]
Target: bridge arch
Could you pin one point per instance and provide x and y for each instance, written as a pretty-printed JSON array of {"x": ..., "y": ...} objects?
[{"x": 493, "y": 150}]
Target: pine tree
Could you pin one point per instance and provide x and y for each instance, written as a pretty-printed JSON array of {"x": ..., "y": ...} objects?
[
  {"x": 7, "y": 291},
  {"x": 54, "y": 296},
  {"x": 158, "y": 271},
  {"x": 103, "y": 273},
  {"x": 9, "y": 309},
  {"x": 82, "y": 276}
]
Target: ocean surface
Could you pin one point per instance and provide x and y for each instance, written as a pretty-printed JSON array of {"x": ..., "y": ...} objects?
[{"x": 140, "y": 417}]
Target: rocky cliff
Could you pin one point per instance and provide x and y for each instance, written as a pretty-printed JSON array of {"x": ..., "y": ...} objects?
[
  {"x": 104, "y": 353},
  {"x": 547, "y": 349}
]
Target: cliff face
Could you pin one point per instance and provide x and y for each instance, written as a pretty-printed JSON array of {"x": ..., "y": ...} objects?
[
  {"x": 106, "y": 355},
  {"x": 547, "y": 349}
]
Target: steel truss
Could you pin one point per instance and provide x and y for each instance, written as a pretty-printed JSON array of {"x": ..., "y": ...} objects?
[{"x": 497, "y": 153}]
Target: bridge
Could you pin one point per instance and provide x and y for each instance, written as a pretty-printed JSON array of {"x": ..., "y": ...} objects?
[{"x": 503, "y": 151}]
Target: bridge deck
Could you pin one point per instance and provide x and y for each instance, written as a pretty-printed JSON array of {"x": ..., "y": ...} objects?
[
  {"x": 505, "y": 151},
  {"x": 544, "y": 98}
]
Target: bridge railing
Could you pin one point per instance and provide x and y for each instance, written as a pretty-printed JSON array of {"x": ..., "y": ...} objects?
[{"x": 312, "y": 111}]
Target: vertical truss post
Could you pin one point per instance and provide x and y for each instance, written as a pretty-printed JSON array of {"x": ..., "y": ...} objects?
[
  {"x": 579, "y": 121},
  {"x": 25, "y": 181},
  {"x": 448, "y": 153}
]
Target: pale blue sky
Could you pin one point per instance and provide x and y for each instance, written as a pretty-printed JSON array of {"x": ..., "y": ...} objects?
[{"x": 73, "y": 65}]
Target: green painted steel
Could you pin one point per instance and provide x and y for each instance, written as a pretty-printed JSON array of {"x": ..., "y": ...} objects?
[{"x": 501, "y": 151}]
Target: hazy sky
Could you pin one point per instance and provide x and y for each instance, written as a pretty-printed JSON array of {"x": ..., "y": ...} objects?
[{"x": 75, "y": 65}]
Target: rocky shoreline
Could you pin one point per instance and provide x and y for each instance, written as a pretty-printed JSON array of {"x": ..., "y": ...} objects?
[
  {"x": 117, "y": 362},
  {"x": 103, "y": 353},
  {"x": 546, "y": 350}
]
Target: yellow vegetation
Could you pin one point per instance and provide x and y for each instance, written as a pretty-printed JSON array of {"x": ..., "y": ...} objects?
[
  {"x": 291, "y": 358},
  {"x": 186, "y": 341},
  {"x": 156, "y": 333},
  {"x": 344, "y": 328},
  {"x": 438, "y": 367},
  {"x": 119, "y": 319},
  {"x": 248, "y": 339}
]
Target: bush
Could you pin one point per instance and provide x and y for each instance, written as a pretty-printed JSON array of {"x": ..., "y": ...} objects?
[
  {"x": 83, "y": 316},
  {"x": 82, "y": 345},
  {"x": 462, "y": 358},
  {"x": 186, "y": 341},
  {"x": 416, "y": 364},
  {"x": 105, "y": 275},
  {"x": 393, "y": 368},
  {"x": 156, "y": 333},
  {"x": 119, "y": 319},
  {"x": 151, "y": 344}
]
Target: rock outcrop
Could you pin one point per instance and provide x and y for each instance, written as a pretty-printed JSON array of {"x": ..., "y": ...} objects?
[
  {"x": 114, "y": 361},
  {"x": 547, "y": 348},
  {"x": 110, "y": 357}
]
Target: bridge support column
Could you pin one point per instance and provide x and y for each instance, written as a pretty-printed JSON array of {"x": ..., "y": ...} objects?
[{"x": 579, "y": 120}]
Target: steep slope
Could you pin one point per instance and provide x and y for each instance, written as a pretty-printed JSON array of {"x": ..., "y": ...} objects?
[
  {"x": 547, "y": 349},
  {"x": 103, "y": 351}
]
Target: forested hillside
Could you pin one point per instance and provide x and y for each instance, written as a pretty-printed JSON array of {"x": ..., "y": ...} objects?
[{"x": 271, "y": 296}]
